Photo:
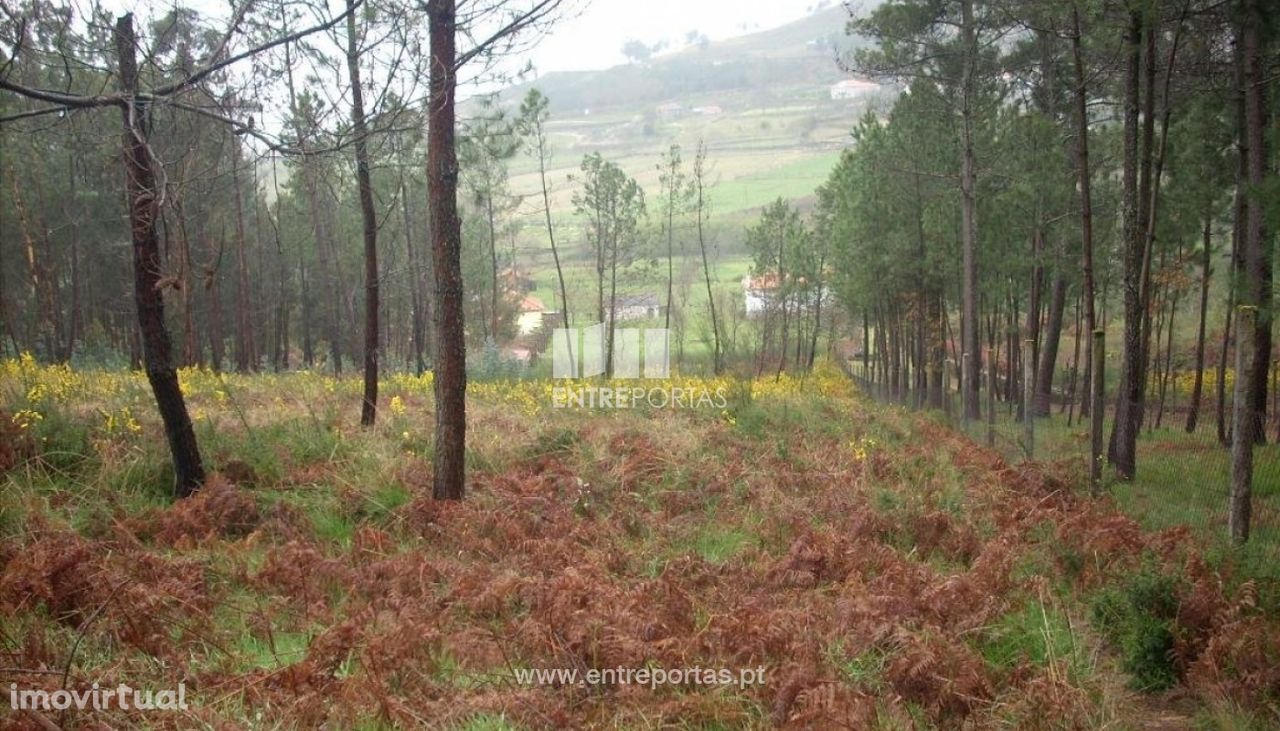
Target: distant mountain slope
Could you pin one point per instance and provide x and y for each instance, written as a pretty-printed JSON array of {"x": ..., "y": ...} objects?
[
  {"x": 801, "y": 54},
  {"x": 765, "y": 105}
]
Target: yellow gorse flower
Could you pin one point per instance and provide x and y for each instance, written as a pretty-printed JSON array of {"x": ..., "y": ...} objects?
[{"x": 396, "y": 406}]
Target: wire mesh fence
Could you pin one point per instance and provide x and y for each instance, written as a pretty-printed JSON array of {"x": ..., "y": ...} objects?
[{"x": 1181, "y": 478}]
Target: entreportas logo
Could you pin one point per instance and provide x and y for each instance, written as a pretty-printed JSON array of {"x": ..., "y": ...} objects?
[{"x": 623, "y": 354}]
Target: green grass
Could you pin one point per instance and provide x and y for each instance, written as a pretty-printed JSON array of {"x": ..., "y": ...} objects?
[
  {"x": 794, "y": 180},
  {"x": 717, "y": 544},
  {"x": 1182, "y": 480},
  {"x": 1037, "y": 634}
]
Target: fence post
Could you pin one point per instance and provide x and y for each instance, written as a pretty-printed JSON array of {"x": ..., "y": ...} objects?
[
  {"x": 1029, "y": 396},
  {"x": 991, "y": 398},
  {"x": 1096, "y": 409},
  {"x": 1244, "y": 427}
]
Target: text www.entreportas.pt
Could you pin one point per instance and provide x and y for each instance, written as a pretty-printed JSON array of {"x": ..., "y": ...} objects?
[{"x": 650, "y": 676}]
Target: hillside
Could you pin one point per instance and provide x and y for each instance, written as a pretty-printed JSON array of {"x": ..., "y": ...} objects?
[
  {"x": 762, "y": 103},
  {"x": 790, "y": 61}
]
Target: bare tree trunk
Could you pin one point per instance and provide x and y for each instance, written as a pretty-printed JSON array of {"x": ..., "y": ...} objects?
[
  {"x": 1124, "y": 436},
  {"x": 1206, "y": 271},
  {"x": 217, "y": 335},
  {"x": 1049, "y": 346},
  {"x": 140, "y": 187},
  {"x": 1172, "y": 295},
  {"x": 551, "y": 231},
  {"x": 418, "y": 324},
  {"x": 446, "y": 245},
  {"x": 189, "y": 356},
  {"x": 782, "y": 294},
  {"x": 613, "y": 300},
  {"x": 817, "y": 310},
  {"x": 369, "y": 219},
  {"x": 1244, "y": 422},
  {"x": 1258, "y": 241},
  {"x": 245, "y": 357},
  {"x": 1238, "y": 239},
  {"x": 699, "y": 176},
  {"x": 1220, "y": 388},
  {"x": 969, "y": 216},
  {"x": 1069, "y": 404},
  {"x": 493, "y": 260},
  {"x": 76, "y": 322}
]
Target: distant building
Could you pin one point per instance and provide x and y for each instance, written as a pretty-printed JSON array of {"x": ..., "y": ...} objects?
[
  {"x": 760, "y": 293},
  {"x": 516, "y": 282},
  {"x": 670, "y": 109},
  {"x": 520, "y": 354},
  {"x": 637, "y": 307},
  {"x": 532, "y": 314},
  {"x": 852, "y": 88},
  {"x": 708, "y": 111}
]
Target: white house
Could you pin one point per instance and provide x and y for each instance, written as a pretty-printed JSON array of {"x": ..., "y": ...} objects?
[
  {"x": 760, "y": 292},
  {"x": 852, "y": 88},
  {"x": 531, "y": 315},
  {"x": 637, "y": 307}
]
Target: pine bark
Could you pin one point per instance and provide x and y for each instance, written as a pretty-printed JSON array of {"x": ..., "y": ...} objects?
[
  {"x": 446, "y": 247},
  {"x": 141, "y": 194}
]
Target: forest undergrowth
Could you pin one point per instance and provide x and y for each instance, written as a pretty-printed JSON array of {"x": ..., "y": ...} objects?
[{"x": 885, "y": 571}]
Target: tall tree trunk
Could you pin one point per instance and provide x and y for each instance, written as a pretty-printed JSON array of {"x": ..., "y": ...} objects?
[
  {"x": 1172, "y": 294},
  {"x": 246, "y": 359},
  {"x": 937, "y": 348},
  {"x": 1070, "y": 404},
  {"x": 817, "y": 308},
  {"x": 1220, "y": 387},
  {"x": 551, "y": 231},
  {"x": 189, "y": 356},
  {"x": 1206, "y": 271},
  {"x": 1258, "y": 250},
  {"x": 1240, "y": 210},
  {"x": 142, "y": 195},
  {"x": 718, "y": 351},
  {"x": 418, "y": 323},
  {"x": 493, "y": 262},
  {"x": 217, "y": 333},
  {"x": 1123, "y": 448},
  {"x": 613, "y": 299},
  {"x": 369, "y": 219},
  {"x": 1031, "y": 331},
  {"x": 783, "y": 296},
  {"x": 446, "y": 247},
  {"x": 969, "y": 215},
  {"x": 76, "y": 318},
  {"x": 1049, "y": 346}
]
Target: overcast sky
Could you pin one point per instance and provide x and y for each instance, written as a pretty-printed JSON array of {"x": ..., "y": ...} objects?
[{"x": 593, "y": 34}]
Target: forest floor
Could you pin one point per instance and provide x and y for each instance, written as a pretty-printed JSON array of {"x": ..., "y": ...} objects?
[{"x": 884, "y": 571}]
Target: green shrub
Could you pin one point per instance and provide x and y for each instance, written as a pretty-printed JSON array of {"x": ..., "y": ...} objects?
[{"x": 1137, "y": 617}]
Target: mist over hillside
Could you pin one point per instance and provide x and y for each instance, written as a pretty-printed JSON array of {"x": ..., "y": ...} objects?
[
  {"x": 773, "y": 107},
  {"x": 783, "y": 63}
]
